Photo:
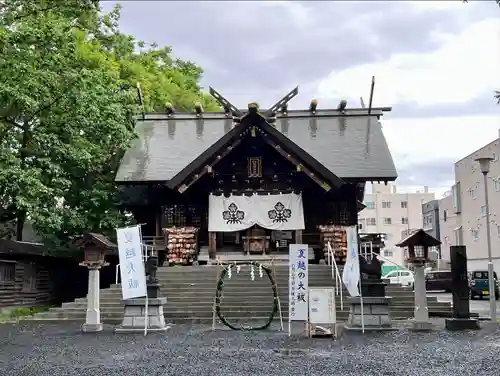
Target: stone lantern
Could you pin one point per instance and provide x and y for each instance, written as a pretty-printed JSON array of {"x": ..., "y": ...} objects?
[
  {"x": 418, "y": 244},
  {"x": 95, "y": 248}
]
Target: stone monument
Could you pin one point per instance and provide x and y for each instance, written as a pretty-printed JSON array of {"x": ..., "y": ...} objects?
[
  {"x": 460, "y": 289},
  {"x": 134, "y": 318}
]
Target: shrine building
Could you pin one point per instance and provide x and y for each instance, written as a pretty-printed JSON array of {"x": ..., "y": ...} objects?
[{"x": 251, "y": 181}]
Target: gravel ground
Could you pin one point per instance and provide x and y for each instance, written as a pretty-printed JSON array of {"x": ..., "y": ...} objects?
[{"x": 61, "y": 349}]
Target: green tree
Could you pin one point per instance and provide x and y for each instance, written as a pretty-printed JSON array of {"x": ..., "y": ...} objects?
[{"x": 67, "y": 108}]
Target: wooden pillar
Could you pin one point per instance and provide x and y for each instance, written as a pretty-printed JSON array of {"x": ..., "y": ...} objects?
[
  {"x": 212, "y": 244},
  {"x": 158, "y": 224},
  {"x": 298, "y": 236}
]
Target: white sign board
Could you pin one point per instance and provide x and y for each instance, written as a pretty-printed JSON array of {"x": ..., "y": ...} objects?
[
  {"x": 298, "y": 286},
  {"x": 322, "y": 306},
  {"x": 132, "y": 272},
  {"x": 351, "y": 273}
]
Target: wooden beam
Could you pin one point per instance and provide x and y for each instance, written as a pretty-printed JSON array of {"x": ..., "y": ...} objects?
[
  {"x": 300, "y": 166},
  {"x": 208, "y": 168}
]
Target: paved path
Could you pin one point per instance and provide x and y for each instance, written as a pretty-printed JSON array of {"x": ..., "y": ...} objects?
[
  {"x": 482, "y": 307},
  {"x": 62, "y": 350}
]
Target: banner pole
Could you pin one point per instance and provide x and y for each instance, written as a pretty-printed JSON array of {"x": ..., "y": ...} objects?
[
  {"x": 215, "y": 296},
  {"x": 144, "y": 252},
  {"x": 146, "y": 317},
  {"x": 277, "y": 293},
  {"x": 362, "y": 314}
]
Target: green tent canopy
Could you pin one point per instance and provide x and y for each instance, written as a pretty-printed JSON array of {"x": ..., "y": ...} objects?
[{"x": 389, "y": 268}]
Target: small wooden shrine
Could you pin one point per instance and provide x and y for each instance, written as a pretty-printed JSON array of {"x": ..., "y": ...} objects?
[{"x": 252, "y": 181}]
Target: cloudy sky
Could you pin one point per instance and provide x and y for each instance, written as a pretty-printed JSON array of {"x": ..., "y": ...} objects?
[{"x": 436, "y": 63}]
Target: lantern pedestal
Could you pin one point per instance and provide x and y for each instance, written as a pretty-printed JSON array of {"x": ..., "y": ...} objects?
[
  {"x": 462, "y": 324},
  {"x": 421, "y": 322},
  {"x": 135, "y": 312},
  {"x": 93, "y": 315},
  {"x": 375, "y": 313},
  {"x": 373, "y": 287}
]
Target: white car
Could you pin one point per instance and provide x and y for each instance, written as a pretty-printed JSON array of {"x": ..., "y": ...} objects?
[{"x": 400, "y": 277}]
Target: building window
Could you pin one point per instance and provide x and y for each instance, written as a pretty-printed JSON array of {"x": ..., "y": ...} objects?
[
  {"x": 369, "y": 204},
  {"x": 498, "y": 231},
  {"x": 386, "y": 204},
  {"x": 483, "y": 211},
  {"x": 445, "y": 215},
  {"x": 388, "y": 253},
  {"x": 7, "y": 271},
  {"x": 496, "y": 182},
  {"x": 361, "y": 223},
  {"x": 455, "y": 196},
  {"x": 475, "y": 234},
  {"x": 404, "y": 204},
  {"x": 458, "y": 235},
  {"x": 473, "y": 193},
  {"x": 428, "y": 221},
  {"x": 29, "y": 277},
  {"x": 404, "y": 220},
  {"x": 387, "y": 221},
  {"x": 371, "y": 222}
]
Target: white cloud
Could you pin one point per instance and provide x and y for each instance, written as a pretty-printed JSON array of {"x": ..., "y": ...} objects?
[
  {"x": 428, "y": 139},
  {"x": 436, "y": 5},
  {"x": 299, "y": 14},
  {"x": 463, "y": 68}
]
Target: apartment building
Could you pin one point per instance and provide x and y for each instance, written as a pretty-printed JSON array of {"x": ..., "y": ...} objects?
[
  {"x": 468, "y": 204},
  {"x": 391, "y": 212},
  {"x": 430, "y": 218},
  {"x": 449, "y": 224}
]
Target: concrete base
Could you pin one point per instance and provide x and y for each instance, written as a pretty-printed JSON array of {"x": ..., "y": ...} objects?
[
  {"x": 376, "y": 314},
  {"x": 92, "y": 328},
  {"x": 462, "y": 324},
  {"x": 420, "y": 326},
  {"x": 134, "y": 316}
]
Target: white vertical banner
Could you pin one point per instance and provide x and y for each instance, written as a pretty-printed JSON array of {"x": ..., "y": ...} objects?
[
  {"x": 132, "y": 271},
  {"x": 351, "y": 273},
  {"x": 298, "y": 288}
]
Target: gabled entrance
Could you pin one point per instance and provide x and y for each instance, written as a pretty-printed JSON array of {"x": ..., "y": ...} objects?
[{"x": 254, "y": 126}]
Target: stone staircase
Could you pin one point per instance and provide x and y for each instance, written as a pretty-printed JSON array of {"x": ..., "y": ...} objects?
[{"x": 190, "y": 292}]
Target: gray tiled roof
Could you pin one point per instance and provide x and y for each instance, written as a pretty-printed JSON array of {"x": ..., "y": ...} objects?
[
  {"x": 350, "y": 147},
  {"x": 164, "y": 147},
  {"x": 342, "y": 144}
]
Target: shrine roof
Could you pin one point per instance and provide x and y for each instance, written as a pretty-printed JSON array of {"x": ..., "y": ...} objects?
[{"x": 349, "y": 144}]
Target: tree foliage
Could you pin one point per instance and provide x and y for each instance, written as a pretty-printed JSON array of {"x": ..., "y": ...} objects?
[{"x": 67, "y": 109}]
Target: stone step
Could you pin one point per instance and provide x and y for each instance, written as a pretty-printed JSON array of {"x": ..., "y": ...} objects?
[
  {"x": 205, "y": 316},
  {"x": 205, "y": 313},
  {"x": 115, "y": 320},
  {"x": 259, "y": 286},
  {"x": 246, "y": 299},
  {"x": 264, "y": 306}
]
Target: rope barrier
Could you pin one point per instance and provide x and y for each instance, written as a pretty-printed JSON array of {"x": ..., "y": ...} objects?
[{"x": 219, "y": 295}]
